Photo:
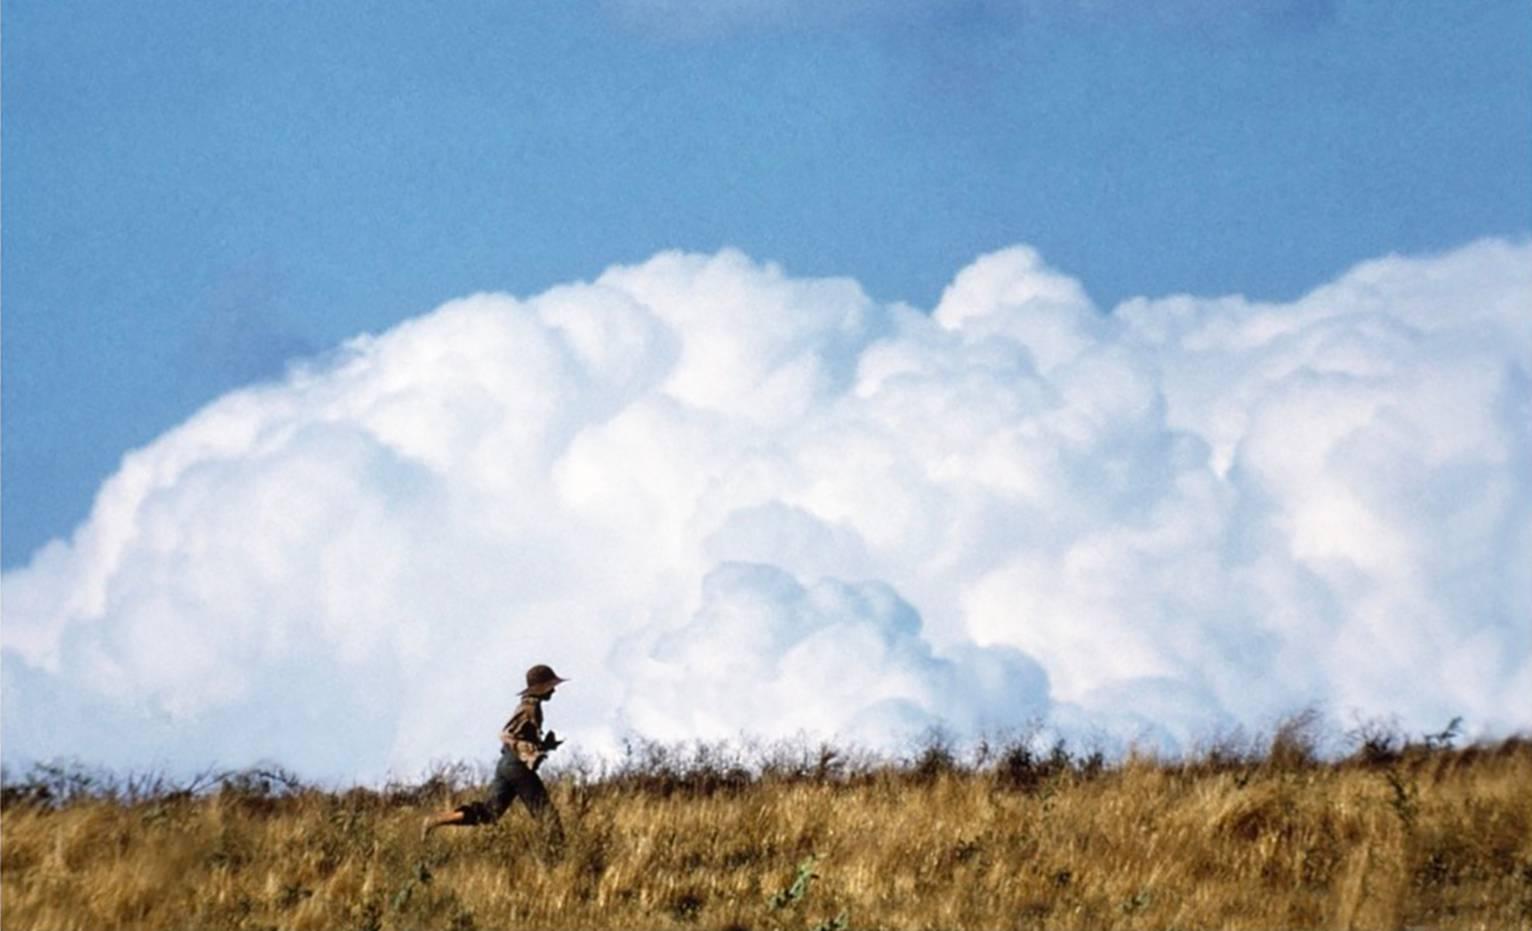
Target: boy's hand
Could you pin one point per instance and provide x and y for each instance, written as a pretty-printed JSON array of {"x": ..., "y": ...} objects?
[{"x": 551, "y": 741}]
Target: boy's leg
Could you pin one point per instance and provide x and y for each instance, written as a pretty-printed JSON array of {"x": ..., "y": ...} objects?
[
  {"x": 502, "y": 793},
  {"x": 431, "y": 822},
  {"x": 534, "y": 795}
]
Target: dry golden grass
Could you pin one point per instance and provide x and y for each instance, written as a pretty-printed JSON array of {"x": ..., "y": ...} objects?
[{"x": 1418, "y": 838}]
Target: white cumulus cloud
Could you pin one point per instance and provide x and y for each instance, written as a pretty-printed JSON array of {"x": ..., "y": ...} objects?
[{"x": 726, "y": 500}]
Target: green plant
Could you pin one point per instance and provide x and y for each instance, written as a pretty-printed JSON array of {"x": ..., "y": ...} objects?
[
  {"x": 838, "y": 923},
  {"x": 799, "y": 888},
  {"x": 1137, "y": 902}
]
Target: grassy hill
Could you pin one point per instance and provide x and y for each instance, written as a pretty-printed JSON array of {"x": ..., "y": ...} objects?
[{"x": 996, "y": 836}]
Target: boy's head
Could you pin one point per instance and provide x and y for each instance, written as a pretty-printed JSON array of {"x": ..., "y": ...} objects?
[{"x": 541, "y": 681}]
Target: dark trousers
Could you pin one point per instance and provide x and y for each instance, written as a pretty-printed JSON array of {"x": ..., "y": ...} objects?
[{"x": 514, "y": 780}]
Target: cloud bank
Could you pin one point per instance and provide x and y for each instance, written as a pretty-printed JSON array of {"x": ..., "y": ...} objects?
[{"x": 723, "y": 499}]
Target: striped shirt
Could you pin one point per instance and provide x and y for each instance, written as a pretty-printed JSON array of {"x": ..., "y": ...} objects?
[{"x": 523, "y": 733}]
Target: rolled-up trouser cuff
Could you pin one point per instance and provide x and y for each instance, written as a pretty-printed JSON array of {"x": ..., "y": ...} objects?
[{"x": 476, "y": 813}]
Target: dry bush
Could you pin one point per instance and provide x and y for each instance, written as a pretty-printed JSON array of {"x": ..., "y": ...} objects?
[{"x": 1012, "y": 833}]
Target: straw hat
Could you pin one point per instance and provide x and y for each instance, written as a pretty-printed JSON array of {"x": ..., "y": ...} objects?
[{"x": 541, "y": 680}]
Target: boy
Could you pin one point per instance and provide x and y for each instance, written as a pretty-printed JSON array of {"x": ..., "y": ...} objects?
[{"x": 522, "y": 749}]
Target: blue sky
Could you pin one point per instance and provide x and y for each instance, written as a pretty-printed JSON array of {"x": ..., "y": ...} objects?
[{"x": 194, "y": 193}]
